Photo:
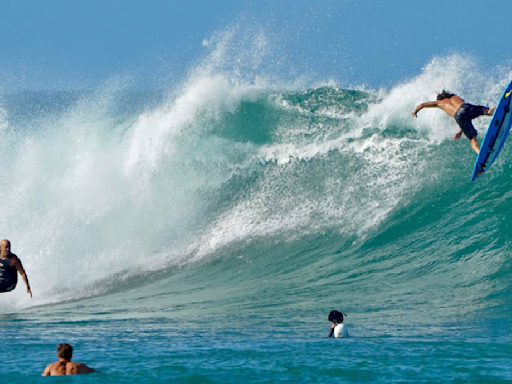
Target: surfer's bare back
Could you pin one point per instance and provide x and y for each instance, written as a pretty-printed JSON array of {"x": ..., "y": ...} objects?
[
  {"x": 64, "y": 366},
  {"x": 461, "y": 111}
]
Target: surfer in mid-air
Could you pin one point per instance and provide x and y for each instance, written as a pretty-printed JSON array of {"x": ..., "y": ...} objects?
[{"x": 461, "y": 111}]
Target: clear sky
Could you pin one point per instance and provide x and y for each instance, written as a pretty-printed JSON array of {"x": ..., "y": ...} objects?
[{"x": 80, "y": 43}]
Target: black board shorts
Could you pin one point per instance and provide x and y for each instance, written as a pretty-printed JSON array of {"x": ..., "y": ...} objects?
[{"x": 465, "y": 114}]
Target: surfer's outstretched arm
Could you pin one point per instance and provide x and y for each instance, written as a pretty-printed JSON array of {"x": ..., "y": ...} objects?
[
  {"x": 19, "y": 267},
  {"x": 489, "y": 111},
  {"x": 428, "y": 104}
]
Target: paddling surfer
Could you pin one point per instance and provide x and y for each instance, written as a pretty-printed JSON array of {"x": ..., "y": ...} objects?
[
  {"x": 10, "y": 266},
  {"x": 461, "y": 111}
]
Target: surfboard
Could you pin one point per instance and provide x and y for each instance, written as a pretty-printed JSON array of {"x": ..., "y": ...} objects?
[{"x": 495, "y": 135}]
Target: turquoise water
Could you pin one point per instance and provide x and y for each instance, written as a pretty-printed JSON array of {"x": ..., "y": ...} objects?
[{"x": 203, "y": 233}]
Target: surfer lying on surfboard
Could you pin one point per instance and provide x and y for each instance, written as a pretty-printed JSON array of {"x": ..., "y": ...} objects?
[{"x": 462, "y": 112}]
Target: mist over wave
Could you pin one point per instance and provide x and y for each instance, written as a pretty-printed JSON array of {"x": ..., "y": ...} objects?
[{"x": 237, "y": 163}]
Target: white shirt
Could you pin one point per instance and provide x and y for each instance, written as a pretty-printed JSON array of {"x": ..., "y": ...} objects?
[{"x": 341, "y": 330}]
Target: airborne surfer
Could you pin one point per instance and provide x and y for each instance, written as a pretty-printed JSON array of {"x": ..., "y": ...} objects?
[
  {"x": 461, "y": 111},
  {"x": 10, "y": 265}
]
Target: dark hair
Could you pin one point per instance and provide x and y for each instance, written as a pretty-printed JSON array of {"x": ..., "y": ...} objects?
[
  {"x": 64, "y": 351},
  {"x": 444, "y": 95},
  {"x": 336, "y": 317}
]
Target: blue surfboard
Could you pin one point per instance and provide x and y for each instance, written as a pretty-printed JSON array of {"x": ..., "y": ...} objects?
[{"x": 495, "y": 135}]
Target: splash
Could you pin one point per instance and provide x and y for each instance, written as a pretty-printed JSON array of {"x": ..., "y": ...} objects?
[{"x": 231, "y": 155}]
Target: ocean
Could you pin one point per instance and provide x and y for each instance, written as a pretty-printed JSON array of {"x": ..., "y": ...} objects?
[{"x": 202, "y": 233}]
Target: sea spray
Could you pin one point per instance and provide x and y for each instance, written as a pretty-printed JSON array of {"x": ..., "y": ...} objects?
[{"x": 225, "y": 160}]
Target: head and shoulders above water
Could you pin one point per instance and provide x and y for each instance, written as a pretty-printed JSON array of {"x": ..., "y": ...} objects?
[
  {"x": 338, "y": 329},
  {"x": 64, "y": 366}
]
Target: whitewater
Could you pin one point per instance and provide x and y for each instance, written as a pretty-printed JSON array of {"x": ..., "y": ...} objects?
[{"x": 203, "y": 233}]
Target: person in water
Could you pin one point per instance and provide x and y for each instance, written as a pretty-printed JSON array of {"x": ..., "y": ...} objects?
[
  {"x": 65, "y": 366},
  {"x": 338, "y": 329},
  {"x": 10, "y": 265},
  {"x": 461, "y": 111}
]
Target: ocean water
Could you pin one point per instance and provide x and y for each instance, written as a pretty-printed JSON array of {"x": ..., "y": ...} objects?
[{"x": 202, "y": 233}]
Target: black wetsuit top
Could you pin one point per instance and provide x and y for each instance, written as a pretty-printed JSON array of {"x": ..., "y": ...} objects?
[{"x": 8, "y": 275}]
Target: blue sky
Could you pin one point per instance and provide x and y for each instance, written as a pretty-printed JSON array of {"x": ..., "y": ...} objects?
[{"x": 81, "y": 43}]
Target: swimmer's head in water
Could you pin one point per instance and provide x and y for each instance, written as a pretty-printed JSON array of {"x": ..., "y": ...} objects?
[
  {"x": 64, "y": 351},
  {"x": 444, "y": 95},
  {"x": 336, "y": 317}
]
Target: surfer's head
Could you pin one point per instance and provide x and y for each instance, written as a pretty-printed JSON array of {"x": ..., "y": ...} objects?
[
  {"x": 336, "y": 317},
  {"x": 5, "y": 247},
  {"x": 64, "y": 351},
  {"x": 444, "y": 95}
]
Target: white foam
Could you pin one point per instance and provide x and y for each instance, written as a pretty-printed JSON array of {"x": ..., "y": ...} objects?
[
  {"x": 91, "y": 198},
  {"x": 393, "y": 167},
  {"x": 153, "y": 135}
]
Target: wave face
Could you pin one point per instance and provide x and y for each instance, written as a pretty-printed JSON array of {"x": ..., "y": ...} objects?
[
  {"x": 238, "y": 195},
  {"x": 223, "y": 166}
]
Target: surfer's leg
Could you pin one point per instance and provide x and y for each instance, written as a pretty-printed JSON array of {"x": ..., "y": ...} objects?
[
  {"x": 467, "y": 127},
  {"x": 475, "y": 145},
  {"x": 473, "y": 111}
]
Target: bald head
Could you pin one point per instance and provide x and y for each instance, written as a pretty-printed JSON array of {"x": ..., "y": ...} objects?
[{"x": 5, "y": 248}]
